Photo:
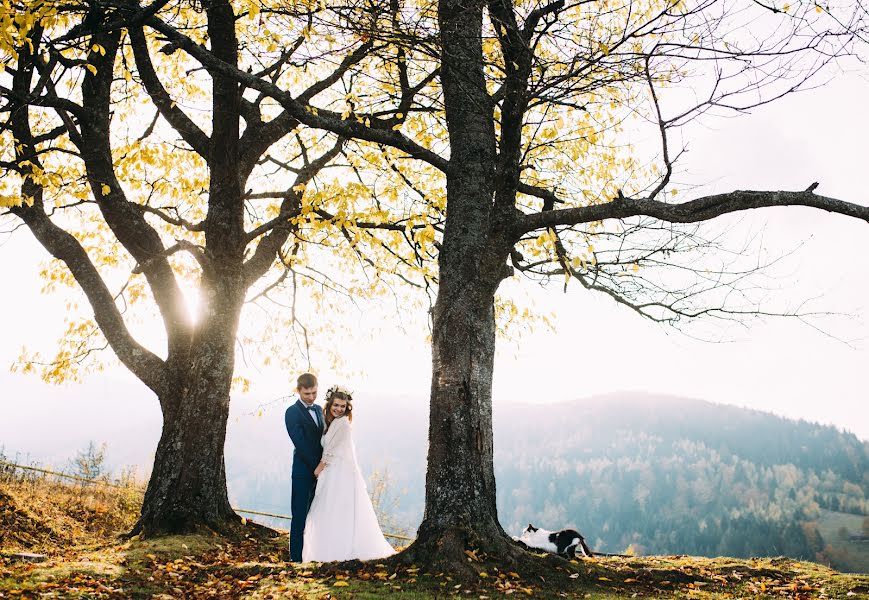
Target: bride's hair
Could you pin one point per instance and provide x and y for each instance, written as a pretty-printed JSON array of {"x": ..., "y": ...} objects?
[{"x": 337, "y": 392}]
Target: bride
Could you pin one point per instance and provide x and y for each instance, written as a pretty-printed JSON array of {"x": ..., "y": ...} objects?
[{"x": 341, "y": 524}]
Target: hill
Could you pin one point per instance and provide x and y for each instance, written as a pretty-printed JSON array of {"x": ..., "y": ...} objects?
[
  {"x": 84, "y": 558},
  {"x": 669, "y": 475},
  {"x": 659, "y": 474}
]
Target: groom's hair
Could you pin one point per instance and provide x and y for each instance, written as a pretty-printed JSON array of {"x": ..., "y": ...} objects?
[{"x": 306, "y": 380}]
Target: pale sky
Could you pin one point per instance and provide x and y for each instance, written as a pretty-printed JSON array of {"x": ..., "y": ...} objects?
[{"x": 781, "y": 366}]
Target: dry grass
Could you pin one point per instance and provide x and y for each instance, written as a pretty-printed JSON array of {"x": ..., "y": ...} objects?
[{"x": 39, "y": 514}]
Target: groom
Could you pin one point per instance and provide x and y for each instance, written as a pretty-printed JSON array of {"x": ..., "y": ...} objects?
[{"x": 304, "y": 421}]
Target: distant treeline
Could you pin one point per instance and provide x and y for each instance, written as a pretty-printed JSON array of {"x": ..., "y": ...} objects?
[{"x": 678, "y": 477}]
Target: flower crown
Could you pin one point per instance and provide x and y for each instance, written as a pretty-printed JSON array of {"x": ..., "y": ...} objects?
[{"x": 337, "y": 389}]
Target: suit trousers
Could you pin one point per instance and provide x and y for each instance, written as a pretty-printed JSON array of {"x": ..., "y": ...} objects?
[{"x": 300, "y": 501}]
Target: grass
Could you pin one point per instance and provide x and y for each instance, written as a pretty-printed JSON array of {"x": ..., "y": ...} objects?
[
  {"x": 38, "y": 514},
  {"x": 77, "y": 528},
  {"x": 849, "y": 555}
]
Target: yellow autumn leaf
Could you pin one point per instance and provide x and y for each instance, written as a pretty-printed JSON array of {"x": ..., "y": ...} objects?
[
  {"x": 340, "y": 584},
  {"x": 105, "y": 189},
  {"x": 7, "y": 200}
]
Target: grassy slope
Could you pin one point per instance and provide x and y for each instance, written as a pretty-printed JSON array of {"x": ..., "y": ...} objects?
[
  {"x": 86, "y": 560},
  {"x": 851, "y": 556}
]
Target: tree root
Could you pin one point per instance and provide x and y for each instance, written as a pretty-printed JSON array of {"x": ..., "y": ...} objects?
[
  {"x": 463, "y": 554},
  {"x": 231, "y": 527}
]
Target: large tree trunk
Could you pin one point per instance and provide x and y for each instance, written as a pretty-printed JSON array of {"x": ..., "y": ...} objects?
[
  {"x": 460, "y": 511},
  {"x": 460, "y": 506},
  {"x": 187, "y": 488},
  {"x": 188, "y": 485}
]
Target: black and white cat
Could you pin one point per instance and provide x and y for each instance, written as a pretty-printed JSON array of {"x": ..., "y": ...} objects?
[{"x": 564, "y": 543}]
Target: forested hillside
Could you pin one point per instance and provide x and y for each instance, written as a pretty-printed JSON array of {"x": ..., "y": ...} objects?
[{"x": 678, "y": 476}]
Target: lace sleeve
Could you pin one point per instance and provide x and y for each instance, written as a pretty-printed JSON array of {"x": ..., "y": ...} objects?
[{"x": 338, "y": 441}]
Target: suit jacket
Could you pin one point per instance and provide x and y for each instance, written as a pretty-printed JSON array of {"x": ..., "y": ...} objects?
[{"x": 305, "y": 435}]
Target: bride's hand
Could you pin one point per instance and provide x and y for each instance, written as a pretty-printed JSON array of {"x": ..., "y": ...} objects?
[{"x": 319, "y": 469}]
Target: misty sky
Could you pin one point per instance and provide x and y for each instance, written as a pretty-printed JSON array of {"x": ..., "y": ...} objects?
[{"x": 784, "y": 366}]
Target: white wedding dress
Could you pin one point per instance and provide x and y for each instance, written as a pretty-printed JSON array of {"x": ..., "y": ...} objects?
[{"x": 341, "y": 523}]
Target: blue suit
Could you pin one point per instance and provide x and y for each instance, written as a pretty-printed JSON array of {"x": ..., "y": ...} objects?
[{"x": 305, "y": 434}]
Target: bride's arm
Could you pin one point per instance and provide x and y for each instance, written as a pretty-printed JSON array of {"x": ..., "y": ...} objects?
[{"x": 338, "y": 441}]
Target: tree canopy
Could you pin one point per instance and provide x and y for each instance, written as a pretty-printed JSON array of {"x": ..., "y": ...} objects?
[{"x": 257, "y": 146}]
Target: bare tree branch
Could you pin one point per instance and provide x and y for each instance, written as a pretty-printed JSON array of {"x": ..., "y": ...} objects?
[
  {"x": 281, "y": 226},
  {"x": 124, "y": 218},
  {"x": 170, "y": 111},
  {"x": 63, "y": 246},
  {"x": 701, "y": 209},
  {"x": 354, "y": 127}
]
